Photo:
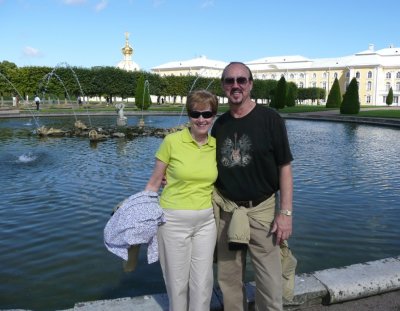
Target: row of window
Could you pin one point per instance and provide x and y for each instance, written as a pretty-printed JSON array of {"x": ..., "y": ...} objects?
[
  {"x": 369, "y": 85},
  {"x": 369, "y": 75},
  {"x": 387, "y": 86},
  {"x": 368, "y": 99},
  {"x": 388, "y": 75}
]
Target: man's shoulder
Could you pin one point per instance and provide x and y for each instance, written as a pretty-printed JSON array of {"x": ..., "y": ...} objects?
[
  {"x": 267, "y": 112},
  {"x": 224, "y": 116},
  {"x": 266, "y": 109}
]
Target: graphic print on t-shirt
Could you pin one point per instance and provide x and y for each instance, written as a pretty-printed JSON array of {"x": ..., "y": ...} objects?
[{"x": 236, "y": 151}]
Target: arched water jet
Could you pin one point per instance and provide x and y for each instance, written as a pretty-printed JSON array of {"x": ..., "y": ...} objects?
[
  {"x": 191, "y": 88},
  {"x": 82, "y": 95},
  {"x": 209, "y": 84},
  {"x": 47, "y": 78},
  {"x": 25, "y": 101},
  {"x": 146, "y": 84}
]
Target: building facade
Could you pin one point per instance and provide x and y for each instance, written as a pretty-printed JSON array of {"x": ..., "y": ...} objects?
[
  {"x": 200, "y": 66},
  {"x": 376, "y": 72}
]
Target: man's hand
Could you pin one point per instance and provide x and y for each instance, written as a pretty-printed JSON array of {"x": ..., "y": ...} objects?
[{"x": 282, "y": 227}]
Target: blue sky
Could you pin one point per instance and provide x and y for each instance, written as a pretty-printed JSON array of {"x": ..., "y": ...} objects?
[{"x": 88, "y": 33}]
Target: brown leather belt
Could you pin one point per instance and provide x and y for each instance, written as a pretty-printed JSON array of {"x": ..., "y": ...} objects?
[{"x": 251, "y": 203}]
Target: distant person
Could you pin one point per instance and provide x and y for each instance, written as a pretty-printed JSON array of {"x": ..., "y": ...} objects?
[
  {"x": 37, "y": 101},
  {"x": 187, "y": 239},
  {"x": 79, "y": 101}
]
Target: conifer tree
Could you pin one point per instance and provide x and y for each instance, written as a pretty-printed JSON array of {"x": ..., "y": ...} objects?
[
  {"x": 334, "y": 98},
  {"x": 142, "y": 95},
  {"x": 291, "y": 94},
  {"x": 389, "y": 97},
  {"x": 280, "y": 94},
  {"x": 351, "y": 101}
]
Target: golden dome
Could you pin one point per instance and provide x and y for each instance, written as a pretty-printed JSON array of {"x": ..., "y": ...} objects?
[{"x": 127, "y": 49}]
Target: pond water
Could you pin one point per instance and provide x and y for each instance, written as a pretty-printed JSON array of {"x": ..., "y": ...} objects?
[{"x": 57, "y": 195}]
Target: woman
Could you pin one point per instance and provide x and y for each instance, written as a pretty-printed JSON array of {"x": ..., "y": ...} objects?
[{"x": 187, "y": 240}]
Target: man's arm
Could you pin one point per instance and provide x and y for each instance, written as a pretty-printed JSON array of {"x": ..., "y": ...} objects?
[{"x": 282, "y": 225}]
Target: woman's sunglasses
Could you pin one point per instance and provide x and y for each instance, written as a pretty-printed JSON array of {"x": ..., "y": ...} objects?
[{"x": 196, "y": 114}]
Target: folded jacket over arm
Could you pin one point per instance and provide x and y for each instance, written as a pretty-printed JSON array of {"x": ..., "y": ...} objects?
[{"x": 135, "y": 222}]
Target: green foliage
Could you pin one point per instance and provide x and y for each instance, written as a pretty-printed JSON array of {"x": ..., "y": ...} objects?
[
  {"x": 351, "y": 102},
  {"x": 69, "y": 82},
  {"x": 280, "y": 94},
  {"x": 263, "y": 89},
  {"x": 334, "y": 98},
  {"x": 215, "y": 87},
  {"x": 258, "y": 90},
  {"x": 139, "y": 93},
  {"x": 313, "y": 93},
  {"x": 291, "y": 94},
  {"x": 389, "y": 97},
  {"x": 142, "y": 97},
  {"x": 8, "y": 71}
]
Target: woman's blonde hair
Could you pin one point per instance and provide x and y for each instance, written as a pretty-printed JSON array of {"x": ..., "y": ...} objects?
[{"x": 202, "y": 99}]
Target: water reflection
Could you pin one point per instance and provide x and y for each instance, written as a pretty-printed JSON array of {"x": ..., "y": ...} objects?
[
  {"x": 346, "y": 198},
  {"x": 57, "y": 194}
]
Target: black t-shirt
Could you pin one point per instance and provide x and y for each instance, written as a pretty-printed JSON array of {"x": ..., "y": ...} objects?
[{"x": 249, "y": 152}]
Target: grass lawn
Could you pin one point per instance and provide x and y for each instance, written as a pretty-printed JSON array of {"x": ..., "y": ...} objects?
[{"x": 389, "y": 113}]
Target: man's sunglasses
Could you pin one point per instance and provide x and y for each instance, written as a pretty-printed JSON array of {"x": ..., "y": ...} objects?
[
  {"x": 239, "y": 80},
  {"x": 196, "y": 114}
]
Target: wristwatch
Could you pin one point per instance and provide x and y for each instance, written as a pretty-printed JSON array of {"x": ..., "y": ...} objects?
[{"x": 286, "y": 212}]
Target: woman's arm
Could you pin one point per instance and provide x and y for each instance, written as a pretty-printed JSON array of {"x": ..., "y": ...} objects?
[{"x": 158, "y": 174}]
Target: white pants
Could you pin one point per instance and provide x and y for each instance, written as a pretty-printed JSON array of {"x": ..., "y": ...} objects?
[{"x": 186, "y": 246}]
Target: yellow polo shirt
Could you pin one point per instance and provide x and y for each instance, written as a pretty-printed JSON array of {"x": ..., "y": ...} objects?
[{"x": 191, "y": 171}]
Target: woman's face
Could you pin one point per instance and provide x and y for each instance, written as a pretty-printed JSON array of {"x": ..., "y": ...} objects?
[{"x": 201, "y": 119}]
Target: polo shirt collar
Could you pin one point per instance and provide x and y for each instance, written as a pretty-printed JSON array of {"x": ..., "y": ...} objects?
[{"x": 187, "y": 138}]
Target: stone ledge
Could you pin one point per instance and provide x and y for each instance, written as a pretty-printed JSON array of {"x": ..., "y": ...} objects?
[
  {"x": 321, "y": 287},
  {"x": 360, "y": 280}
]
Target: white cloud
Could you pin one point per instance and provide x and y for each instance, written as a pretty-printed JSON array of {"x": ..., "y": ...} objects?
[
  {"x": 74, "y": 2},
  {"x": 157, "y": 3},
  {"x": 31, "y": 52},
  {"x": 101, "y": 5},
  {"x": 207, "y": 4}
]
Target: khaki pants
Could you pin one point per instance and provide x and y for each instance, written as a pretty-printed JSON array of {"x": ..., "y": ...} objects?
[
  {"x": 266, "y": 260},
  {"x": 186, "y": 247}
]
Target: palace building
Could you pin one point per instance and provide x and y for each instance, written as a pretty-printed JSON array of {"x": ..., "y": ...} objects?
[{"x": 375, "y": 70}]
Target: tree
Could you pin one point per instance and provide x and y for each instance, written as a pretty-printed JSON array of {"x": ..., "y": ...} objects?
[
  {"x": 389, "y": 97},
  {"x": 291, "y": 94},
  {"x": 258, "y": 91},
  {"x": 334, "y": 98},
  {"x": 8, "y": 70},
  {"x": 280, "y": 94},
  {"x": 142, "y": 97},
  {"x": 351, "y": 101}
]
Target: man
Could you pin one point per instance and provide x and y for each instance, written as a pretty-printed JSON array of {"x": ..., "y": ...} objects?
[
  {"x": 254, "y": 162},
  {"x": 37, "y": 101}
]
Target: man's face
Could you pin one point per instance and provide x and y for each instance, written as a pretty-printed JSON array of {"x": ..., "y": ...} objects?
[{"x": 236, "y": 84}]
